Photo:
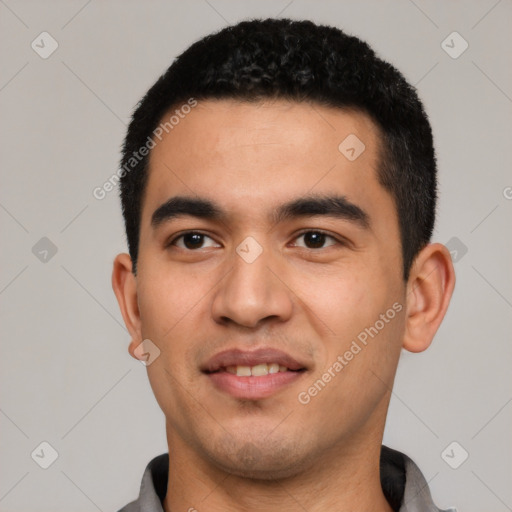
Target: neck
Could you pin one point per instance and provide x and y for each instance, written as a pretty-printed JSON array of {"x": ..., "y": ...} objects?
[{"x": 347, "y": 477}]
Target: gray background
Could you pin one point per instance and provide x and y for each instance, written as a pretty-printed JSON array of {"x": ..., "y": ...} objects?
[{"x": 66, "y": 376}]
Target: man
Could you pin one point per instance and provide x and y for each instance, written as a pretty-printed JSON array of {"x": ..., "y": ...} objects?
[{"x": 278, "y": 185}]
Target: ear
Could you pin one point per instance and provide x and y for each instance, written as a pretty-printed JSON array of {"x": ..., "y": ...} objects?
[
  {"x": 124, "y": 284},
  {"x": 429, "y": 290}
]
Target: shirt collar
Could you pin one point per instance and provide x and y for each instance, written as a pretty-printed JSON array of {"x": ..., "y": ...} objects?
[{"x": 402, "y": 482}]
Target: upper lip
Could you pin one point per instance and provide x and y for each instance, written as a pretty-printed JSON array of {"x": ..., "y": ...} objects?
[{"x": 237, "y": 357}]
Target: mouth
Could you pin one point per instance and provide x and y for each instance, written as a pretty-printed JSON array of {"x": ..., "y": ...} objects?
[
  {"x": 258, "y": 370},
  {"x": 253, "y": 375}
]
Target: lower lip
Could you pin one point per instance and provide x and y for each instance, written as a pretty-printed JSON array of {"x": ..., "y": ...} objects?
[{"x": 253, "y": 388}]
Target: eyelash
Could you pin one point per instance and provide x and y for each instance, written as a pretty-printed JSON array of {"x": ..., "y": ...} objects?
[{"x": 319, "y": 231}]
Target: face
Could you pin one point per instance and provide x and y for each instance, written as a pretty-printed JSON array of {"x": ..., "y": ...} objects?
[{"x": 276, "y": 301}]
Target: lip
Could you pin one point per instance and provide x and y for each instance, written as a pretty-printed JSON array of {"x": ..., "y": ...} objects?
[
  {"x": 237, "y": 357},
  {"x": 253, "y": 387}
]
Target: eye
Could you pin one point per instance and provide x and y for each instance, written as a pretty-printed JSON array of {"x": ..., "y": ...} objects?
[
  {"x": 191, "y": 240},
  {"x": 315, "y": 239}
]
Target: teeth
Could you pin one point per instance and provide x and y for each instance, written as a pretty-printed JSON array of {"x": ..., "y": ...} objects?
[
  {"x": 243, "y": 371},
  {"x": 257, "y": 371},
  {"x": 273, "y": 368}
]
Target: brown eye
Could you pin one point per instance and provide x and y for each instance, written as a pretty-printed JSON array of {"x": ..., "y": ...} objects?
[
  {"x": 191, "y": 240},
  {"x": 315, "y": 239}
]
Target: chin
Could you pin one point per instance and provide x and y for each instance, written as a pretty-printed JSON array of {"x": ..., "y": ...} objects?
[{"x": 261, "y": 460}]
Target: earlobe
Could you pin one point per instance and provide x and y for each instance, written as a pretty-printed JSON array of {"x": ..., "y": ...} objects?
[
  {"x": 124, "y": 284},
  {"x": 429, "y": 290}
]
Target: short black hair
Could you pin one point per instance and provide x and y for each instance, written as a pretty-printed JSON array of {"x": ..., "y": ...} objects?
[{"x": 303, "y": 62}]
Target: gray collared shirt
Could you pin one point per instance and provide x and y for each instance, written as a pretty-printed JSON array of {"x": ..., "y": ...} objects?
[{"x": 403, "y": 484}]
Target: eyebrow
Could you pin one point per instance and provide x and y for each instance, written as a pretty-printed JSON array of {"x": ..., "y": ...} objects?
[{"x": 335, "y": 206}]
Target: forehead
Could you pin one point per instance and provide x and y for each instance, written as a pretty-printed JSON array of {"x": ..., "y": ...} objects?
[
  {"x": 251, "y": 156},
  {"x": 222, "y": 126}
]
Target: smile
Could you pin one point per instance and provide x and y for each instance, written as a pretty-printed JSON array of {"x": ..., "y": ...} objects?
[
  {"x": 254, "y": 374},
  {"x": 257, "y": 371},
  {"x": 250, "y": 386}
]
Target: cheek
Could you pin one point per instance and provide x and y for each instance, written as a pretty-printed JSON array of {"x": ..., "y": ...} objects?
[
  {"x": 361, "y": 315},
  {"x": 167, "y": 297},
  {"x": 169, "y": 302},
  {"x": 345, "y": 300}
]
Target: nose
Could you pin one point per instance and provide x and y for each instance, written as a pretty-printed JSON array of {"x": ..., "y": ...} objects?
[{"x": 252, "y": 293}]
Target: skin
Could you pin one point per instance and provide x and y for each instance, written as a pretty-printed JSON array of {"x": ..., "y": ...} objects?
[{"x": 311, "y": 301}]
